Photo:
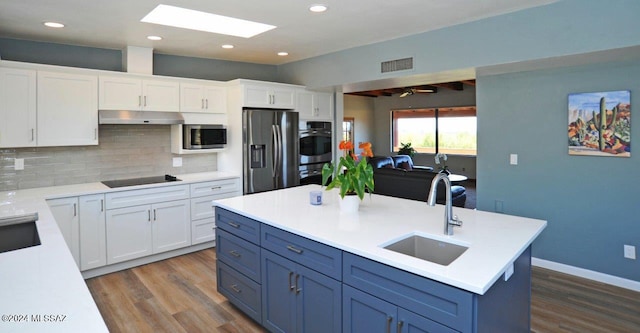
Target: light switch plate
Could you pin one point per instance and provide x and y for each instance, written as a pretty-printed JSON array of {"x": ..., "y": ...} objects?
[
  {"x": 177, "y": 162},
  {"x": 513, "y": 159},
  {"x": 630, "y": 252},
  {"x": 18, "y": 164}
]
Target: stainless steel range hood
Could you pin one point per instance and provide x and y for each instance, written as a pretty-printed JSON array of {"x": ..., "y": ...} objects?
[{"x": 139, "y": 117}]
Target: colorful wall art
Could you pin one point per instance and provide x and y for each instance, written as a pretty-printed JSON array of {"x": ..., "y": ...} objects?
[{"x": 600, "y": 124}]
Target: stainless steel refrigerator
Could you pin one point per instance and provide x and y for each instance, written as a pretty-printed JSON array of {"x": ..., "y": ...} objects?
[{"x": 270, "y": 149}]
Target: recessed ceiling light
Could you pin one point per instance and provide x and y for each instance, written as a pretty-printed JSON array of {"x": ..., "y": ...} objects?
[
  {"x": 53, "y": 24},
  {"x": 318, "y": 8},
  {"x": 154, "y": 38},
  {"x": 201, "y": 21},
  {"x": 283, "y": 54},
  {"x": 227, "y": 46}
]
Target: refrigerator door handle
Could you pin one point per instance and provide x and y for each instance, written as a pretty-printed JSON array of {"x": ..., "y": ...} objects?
[
  {"x": 276, "y": 150},
  {"x": 280, "y": 149}
]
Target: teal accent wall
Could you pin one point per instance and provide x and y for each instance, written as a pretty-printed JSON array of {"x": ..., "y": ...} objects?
[
  {"x": 111, "y": 60},
  {"x": 591, "y": 203},
  {"x": 564, "y": 28},
  {"x": 60, "y": 54},
  {"x": 212, "y": 69}
]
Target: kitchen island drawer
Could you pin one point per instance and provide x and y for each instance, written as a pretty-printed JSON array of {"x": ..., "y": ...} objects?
[
  {"x": 146, "y": 196},
  {"x": 239, "y": 254},
  {"x": 322, "y": 258},
  {"x": 216, "y": 187},
  {"x": 240, "y": 290},
  {"x": 238, "y": 225},
  {"x": 436, "y": 301}
]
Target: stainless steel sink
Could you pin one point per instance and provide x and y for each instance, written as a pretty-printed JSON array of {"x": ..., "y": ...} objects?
[
  {"x": 18, "y": 232},
  {"x": 439, "y": 252}
]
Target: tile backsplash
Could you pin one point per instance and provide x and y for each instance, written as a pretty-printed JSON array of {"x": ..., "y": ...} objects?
[{"x": 125, "y": 151}]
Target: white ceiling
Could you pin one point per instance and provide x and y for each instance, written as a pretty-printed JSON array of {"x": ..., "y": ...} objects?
[{"x": 115, "y": 24}]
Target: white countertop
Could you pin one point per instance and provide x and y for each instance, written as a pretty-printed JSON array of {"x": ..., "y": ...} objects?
[
  {"x": 44, "y": 280},
  {"x": 495, "y": 241}
]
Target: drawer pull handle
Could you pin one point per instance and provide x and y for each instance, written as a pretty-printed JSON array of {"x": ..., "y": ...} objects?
[
  {"x": 293, "y": 249},
  {"x": 400, "y": 323},
  {"x": 235, "y": 253},
  {"x": 215, "y": 188},
  {"x": 389, "y": 320},
  {"x": 233, "y": 224},
  {"x": 235, "y": 288},
  {"x": 291, "y": 286},
  {"x": 297, "y": 289}
]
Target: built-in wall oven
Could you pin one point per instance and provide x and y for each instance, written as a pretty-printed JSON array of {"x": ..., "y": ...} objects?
[{"x": 315, "y": 150}]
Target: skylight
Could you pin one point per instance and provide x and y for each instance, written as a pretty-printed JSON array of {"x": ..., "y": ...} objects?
[{"x": 201, "y": 21}]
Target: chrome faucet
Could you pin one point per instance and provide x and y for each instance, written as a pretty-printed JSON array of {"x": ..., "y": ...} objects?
[{"x": 450, "y": 220}]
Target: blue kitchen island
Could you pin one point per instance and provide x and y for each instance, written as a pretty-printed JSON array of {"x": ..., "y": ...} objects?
[{"x": 295, "y": 267}]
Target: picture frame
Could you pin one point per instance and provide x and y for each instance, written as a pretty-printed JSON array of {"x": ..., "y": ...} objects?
[{"x": 600, "y": 123}]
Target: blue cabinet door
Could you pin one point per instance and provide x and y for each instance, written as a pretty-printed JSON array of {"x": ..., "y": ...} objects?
[
  {"x": 278, "y": 293},
  {"x": 318, "y": 302},
  {"x": 364, "y": 313}
]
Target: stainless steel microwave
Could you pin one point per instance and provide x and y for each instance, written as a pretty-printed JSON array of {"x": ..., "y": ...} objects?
[{"x": 203, "y": 136}]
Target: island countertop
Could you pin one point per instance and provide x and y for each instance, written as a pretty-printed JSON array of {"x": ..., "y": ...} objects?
[{"x": 494, "y": 240}]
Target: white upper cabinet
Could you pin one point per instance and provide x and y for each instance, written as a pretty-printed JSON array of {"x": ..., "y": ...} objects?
[
  {"x": 202, "y": 98},
  {"x": 67, "y": 109},
  {"x": 17, "y": 108},
  {"x": 269, "y": 96},
  {"x": 315, "y": 105},
  {"x": 124, "y": 93}
]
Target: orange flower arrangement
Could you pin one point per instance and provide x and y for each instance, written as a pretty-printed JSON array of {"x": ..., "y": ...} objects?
[{"x": 357, "y": 176}]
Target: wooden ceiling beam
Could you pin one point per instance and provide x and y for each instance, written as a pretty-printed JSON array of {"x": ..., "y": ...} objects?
[{"x": 450, "y": 85}]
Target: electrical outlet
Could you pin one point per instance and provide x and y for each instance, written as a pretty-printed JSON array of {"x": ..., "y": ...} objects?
[
  {"x": 513, "y": 159},
  {"x": 508, "y": 272},
  {"x": 630, "y": 252},
  {"x": 18, "y": 164},
  {"x": 177, "y": 162}
]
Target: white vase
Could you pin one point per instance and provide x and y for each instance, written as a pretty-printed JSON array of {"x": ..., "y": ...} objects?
[{"x": 349, "y": 204}]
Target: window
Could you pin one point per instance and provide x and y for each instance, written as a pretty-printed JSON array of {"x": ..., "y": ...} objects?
[
  {"x": 348, "y": 131},
  {"x": 437, "y": 130}
]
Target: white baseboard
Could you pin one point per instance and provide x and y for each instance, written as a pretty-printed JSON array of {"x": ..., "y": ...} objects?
[{"x": 587, "y": 274}]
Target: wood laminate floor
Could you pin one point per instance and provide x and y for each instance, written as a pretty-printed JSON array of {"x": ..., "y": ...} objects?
[{"x": 179, "y": 295}]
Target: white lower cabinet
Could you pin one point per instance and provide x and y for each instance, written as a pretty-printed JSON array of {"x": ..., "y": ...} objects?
[
  {"x": 65, "y": 212},
  {"x": 203, "y": 222},
  {"x": 128, "y": 233},
  {"x": 93, "y": 234},
  {"x": 171, "y": 228},
  {"x": 104, "y": 229},
  {"x": 138, "y": 231}
]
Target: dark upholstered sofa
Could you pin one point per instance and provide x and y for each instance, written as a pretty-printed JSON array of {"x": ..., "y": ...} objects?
[{"x": 396, "y": 176}]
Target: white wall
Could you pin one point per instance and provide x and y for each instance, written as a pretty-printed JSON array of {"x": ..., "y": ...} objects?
[{"x": 362, "y": 110}]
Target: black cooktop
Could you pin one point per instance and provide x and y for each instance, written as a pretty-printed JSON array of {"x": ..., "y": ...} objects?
[{"x": 140, "y": 181}]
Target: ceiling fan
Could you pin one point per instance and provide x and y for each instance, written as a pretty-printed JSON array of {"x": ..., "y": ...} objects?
[{"x": 411, "y": 91}]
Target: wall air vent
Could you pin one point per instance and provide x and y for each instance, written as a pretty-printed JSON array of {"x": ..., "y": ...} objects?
[{"x": 396, "y": 65}]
